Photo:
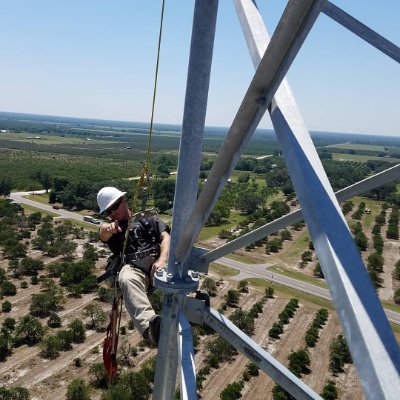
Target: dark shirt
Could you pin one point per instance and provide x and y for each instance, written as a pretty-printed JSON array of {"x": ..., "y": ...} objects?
[{"x": 142, "y": 237}]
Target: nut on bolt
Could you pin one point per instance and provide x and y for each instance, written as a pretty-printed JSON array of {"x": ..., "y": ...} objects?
[
  {"x": 169, "y": 277},
  {"x": 195, "y": 274}
]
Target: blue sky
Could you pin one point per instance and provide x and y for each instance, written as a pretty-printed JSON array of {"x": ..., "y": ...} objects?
[{"x": 96, "y": 58}]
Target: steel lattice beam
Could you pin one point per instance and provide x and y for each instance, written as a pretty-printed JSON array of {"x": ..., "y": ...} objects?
[
  {"x": 293, "y": 27},
  {"x": 369, "y": 335}
]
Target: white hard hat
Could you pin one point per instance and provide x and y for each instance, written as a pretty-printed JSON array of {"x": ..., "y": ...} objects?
[{"x": 107, "y": 197}]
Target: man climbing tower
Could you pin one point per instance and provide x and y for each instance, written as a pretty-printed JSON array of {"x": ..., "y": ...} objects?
[{"x": 146, "y": 250}]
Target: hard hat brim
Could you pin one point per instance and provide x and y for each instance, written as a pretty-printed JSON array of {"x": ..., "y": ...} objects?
[{"x": 112, "y": 201}]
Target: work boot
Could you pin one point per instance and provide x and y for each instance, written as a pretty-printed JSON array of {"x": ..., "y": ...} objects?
[{"x": 152, "y": 333}]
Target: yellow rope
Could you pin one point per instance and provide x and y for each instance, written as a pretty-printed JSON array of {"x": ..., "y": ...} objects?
[{"x": 145, "y": 171}]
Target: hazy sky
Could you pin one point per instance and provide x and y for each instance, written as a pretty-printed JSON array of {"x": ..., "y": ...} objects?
[{"x": 96, "y": 58}]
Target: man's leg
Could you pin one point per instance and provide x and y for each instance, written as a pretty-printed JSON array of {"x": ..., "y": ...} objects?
[{"x": 133, "y": 283}]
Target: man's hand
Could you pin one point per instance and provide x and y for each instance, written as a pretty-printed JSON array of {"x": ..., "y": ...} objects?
[
  {"x": 158, "y": 264},
  {"x": 109, "y": 229}
]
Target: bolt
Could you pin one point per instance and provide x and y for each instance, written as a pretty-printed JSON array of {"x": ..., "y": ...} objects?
[
  {"x": 195, "y": 274},
  {"x": 169, "y": 277},
  {"x": 159, "y": 271}
]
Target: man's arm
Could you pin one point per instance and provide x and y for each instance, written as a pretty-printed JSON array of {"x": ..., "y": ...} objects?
[
  {"x": 108, "y": 229},
  {"x": 164, "y": 251}
]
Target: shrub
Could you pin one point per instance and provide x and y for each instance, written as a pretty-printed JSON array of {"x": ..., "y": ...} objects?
[
  {"x": 329, "y": 392},
  {"x": 232, "y": 391},
  {"x": 50, "y": 346},
  {"x": 6, "y": 306},
  {"x": 396, "y": 296},
  {"x": 232, "y": 298},
  {"x": 243, "y": 286},
  {"x": 54, "y": 321},
  {"x": 276, "y": 330},
  {"x": 78, "y": 390},
  {"x": 8, "y": 289}
]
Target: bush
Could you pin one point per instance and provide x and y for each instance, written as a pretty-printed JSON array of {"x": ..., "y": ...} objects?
[
  {"x": 54, "y": 321},
  {"x": 329, "y": 392},
  {"x": 232, "y": 298},
  {"x": 396, "y": 296},
  {"x": 78, "y": 390},
  {"x": 269, "y": 292},
  {"x": 18, "y": 393},
  {"x": 50, "y": 346},
  {"x": 243, "y": 286},
  {"x": 232, "y": 391},
  {"x": 209, "y": 285},
  {"x": 78, "y": 330},
  {"x": 299, "y": 361},
  {"x": 396, "y": 271},
  {"x": 6, "y": 306},
  {"x": 8, "y": 289},
  {"x": 253, "y": 369},
  {"x": 276, "y": 330}
]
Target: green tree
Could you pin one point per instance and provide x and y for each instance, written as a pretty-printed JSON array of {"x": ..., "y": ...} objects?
[
  {"x": 299, "y": 362},
  {"x": 243, "y": 286},
  {"x": 78, "y": 330},
  {"x": 78, "y": 390},
  {"x": 232, "y": 298},
  {"x": 209, "y": 285},
  {"x": 329, "y": 392},
  {"x": 307, "y": 256},
  {"x": 6, "y": 306},
  {"x": 248, "y": 202},
  {"x": 232, "y": 391},
  {"x": 4, "y": 347},
  {"x": 396, "y": 296},
  {"x": 243, "y": 321},
  {"x": 98, "y": 375},
  {"x": 96, "y": 314},
  {"x": 30, "y": 266},
  {"x": 361, "y": 241},
  {"x": 8, "y": 289},
  {"x": 396, "y": 270},
  {"x": 50, "y": 347},
  {"x": 54, "y": 321},
  {"x": 28, "y": 331},
  {"x": 269, "y": 292}
]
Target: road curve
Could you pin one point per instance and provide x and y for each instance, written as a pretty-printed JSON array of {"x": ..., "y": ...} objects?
[
  {"x": 18, "y": 197},
  {"x": 261, "y": 271}
]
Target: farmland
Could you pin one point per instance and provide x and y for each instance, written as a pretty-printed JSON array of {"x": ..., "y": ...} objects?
[{"x": 260, "y": 191}]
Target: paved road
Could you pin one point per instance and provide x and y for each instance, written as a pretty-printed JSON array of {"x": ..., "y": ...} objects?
[
  {"x": 18, "y": 198},
  {"x": 247, "y": 270},
  {"x": 261, "y": 271}
]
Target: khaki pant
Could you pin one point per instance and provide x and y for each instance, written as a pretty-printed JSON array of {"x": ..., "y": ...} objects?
[{"x": 133, "y": 284}]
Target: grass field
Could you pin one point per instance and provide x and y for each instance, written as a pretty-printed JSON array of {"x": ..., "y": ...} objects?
[
  {"x": 294, "y": 250},
  {"x": 32, "y": 209},
  {"x": 50, "y": 139},
  {"x": 362, "y": 158},
  {"x": 223, "y": 271},
  {"x": 373, "y": 205},
  {"x": 297, "y": 275},
  {"x": 357, "y": 146},
  {"x": 212, "y": 231}
]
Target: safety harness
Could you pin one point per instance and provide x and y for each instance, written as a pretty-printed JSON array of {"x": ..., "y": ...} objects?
[{"x": 142, "y": 260}]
